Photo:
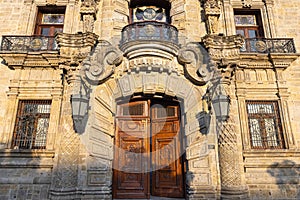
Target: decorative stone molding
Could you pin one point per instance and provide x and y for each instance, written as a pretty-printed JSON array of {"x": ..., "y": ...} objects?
[
  {"x": 264, "y": 61},
  {"x": 75, "y": 47},
  {"x": 247, "y": 3},
  {"x": 88, "y": 11},
  {"x": 101, "y": 62},
  {"x": 224, "y": 52},
  {"x": 223, "y": 47},
  {"x": 16, "y": 60},
  {"x": 212, "y": 10}
]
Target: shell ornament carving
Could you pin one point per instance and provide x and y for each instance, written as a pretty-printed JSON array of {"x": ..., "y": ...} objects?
[{"x": 101, "y": 63}]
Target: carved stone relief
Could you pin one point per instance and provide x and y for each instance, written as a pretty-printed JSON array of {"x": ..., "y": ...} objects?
[
  {"x": 247, "y": 3},
  {"x": 101, "y": 63},
  {"x": 88, "y": 12},
  {"x": 212, "y": 9}
]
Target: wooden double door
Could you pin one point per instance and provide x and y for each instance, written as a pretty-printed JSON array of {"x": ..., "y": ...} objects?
[{"x": 147, "y": 154}]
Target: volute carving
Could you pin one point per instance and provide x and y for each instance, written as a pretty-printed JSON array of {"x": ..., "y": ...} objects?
[
  {"x": 101, "y": 63},
  {"x": 195, "y": 60}
]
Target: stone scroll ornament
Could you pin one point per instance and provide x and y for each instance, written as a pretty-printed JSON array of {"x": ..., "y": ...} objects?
[
  {"x": 196, "y": 63},
  {"x": 101, "y": 63}
]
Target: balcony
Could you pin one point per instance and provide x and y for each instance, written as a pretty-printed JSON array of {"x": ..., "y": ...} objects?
[
  {"x": 266, "y": 45},
  {"x": 149, "y": 38},
  {"x": 149, "y": 31},
  {"x": 28, "y": 43}
]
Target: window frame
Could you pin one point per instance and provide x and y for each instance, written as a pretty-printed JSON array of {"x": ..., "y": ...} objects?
[
  {"x": 259, "y": 24},
  {"x": 278, "y": 125},
  {"x": 16, "y": 143},
  {"x": 48, "y": 10}
]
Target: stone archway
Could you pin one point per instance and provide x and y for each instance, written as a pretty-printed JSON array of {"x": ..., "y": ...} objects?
[{"x": 98, "y": 136}]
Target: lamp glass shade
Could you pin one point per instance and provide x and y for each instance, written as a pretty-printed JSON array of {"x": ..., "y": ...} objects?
[
  {"x": 221, "y": 106},
  {"x": 79, "y": 105}
]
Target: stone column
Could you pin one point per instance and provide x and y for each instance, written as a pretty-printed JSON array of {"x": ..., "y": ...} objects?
[
  {"x": 224, "y": 53},
  {"x": 73, "y": 49}
]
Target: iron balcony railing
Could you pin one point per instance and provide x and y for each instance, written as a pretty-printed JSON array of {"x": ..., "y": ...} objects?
[
  {"x": 268, "y": 45},
  {"x": 149, "y": 31},
  {"x": 28, "y": 43}
]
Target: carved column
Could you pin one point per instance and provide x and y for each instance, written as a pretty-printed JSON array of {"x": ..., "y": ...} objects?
[
  {"x": 73, "y": 49},
  {"x": 224, "y": 52},
  {"x": 212, "y": 10},
  {"x": 88, "y": 12}
]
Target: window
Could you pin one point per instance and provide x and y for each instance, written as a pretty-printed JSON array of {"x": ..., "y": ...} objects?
[
  {"x": 149, "y": 10},
  {"x": 264, "y": 125},
  {"x": 32, "y": 124},
  {"x": 50, "y": 20},
  {"x": 249, "y": 25}
]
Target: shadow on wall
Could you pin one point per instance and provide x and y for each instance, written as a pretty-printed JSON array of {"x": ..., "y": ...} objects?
[
  {"x": 287, "y": 175},
  {"x": 25, "y": 174}
]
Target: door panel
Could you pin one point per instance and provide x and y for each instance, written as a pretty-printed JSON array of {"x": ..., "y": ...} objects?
[
  {"x": 167, "y": 178},
  {"x": 147, "y": 142},
  {"x": 130, "y": 177}
]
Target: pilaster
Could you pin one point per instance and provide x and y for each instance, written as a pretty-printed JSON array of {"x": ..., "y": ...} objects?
[
  {"x": 73, "y": 49},
  {"x": 224, "y": 53}
]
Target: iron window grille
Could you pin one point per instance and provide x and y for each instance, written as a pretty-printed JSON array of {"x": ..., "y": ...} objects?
[
  {"x": 32, "y": 124},
  {"x": 264, "y": 125}
]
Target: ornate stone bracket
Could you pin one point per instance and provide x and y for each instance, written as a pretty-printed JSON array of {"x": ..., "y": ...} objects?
[
  {"x": 212, "y": 10},
  {"x": 196, "y": 63},
  {"x": 101, "y": 63}
]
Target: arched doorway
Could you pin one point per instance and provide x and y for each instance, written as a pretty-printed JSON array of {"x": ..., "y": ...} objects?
[{"x": 148, "y": 150}]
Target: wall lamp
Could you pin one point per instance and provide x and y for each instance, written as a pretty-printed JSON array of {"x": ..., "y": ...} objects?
[
  {"x": 80, "y": 104},
  {"x": 221, "y": 106}
]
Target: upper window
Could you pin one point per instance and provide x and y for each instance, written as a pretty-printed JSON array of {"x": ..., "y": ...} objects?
[
  {"x": 149, "y": 10},
  {"x": 50, "y": 21},
  {"x": 32, "y": 124},
  {"x": 248, "y": 24},
  {"x": 264, "y": 125}
]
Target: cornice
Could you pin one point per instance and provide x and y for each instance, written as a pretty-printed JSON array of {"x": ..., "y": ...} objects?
[
  {"x": 265, "y": 61},
  {"x": 16, "y": 60}
]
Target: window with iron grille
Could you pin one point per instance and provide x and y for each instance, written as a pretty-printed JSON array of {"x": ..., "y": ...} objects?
[
  {"x": 32, "y": 124},
  {"x": 264, "y": 125}
]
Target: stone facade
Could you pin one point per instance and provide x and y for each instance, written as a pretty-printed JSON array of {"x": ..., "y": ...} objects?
[{"x": 99, "y": 62}]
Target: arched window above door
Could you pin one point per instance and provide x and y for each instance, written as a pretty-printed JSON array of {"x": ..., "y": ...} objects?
[{"x": 149, "y": 10}]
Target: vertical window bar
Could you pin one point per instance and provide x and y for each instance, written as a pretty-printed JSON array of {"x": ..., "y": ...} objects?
[
  {"x": 264, "y": 125},
  {"x": 32, "y": 122}
]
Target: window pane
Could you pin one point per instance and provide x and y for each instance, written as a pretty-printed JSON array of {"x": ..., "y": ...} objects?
[
  {"x": 53, "y": 19},
  {"x": 240, "y": 32},
  {"x": 245, "y": 20},
  {"x": 271, "y": 132},
  {"x": 255, "y": 133},
  {"x": 252, "y": 33},
  {"x": 58, "y": 30},
  {"x": 45, "y": 31}
]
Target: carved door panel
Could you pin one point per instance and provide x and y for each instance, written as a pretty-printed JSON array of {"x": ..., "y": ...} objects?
[
  {"x": 130, "y": 174},
  {"x": 147, "y": 155},
  {"x": 167, "y": 179},
  {"x": 131, "y": 179}
]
